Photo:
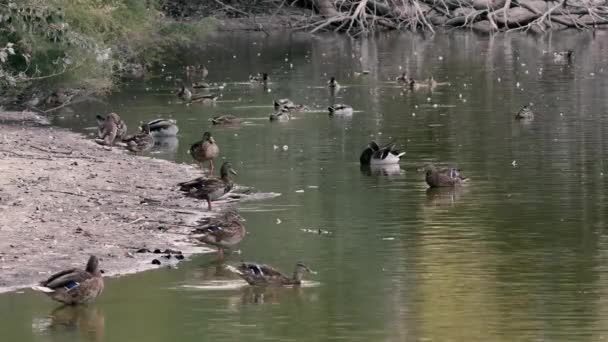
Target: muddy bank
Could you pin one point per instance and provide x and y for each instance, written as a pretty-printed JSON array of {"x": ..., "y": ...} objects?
[{"x": 63, "y": 197}]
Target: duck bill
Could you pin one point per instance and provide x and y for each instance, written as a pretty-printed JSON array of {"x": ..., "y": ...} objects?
[{"x": 233, "y": 172}]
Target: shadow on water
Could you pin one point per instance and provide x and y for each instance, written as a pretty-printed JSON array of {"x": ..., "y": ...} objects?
[{"x": 72, "y": 322}]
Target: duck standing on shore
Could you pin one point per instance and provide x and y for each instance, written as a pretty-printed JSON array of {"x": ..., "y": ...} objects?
[
  {"x": 210, "y": 189},
  {"x": 223, "y": 233},
  {"x": 111, "y": 128},
  {"x": 205, "y": 150},
  {"x": 74, "y": 286},
  {"x": 264, "y": 275}
]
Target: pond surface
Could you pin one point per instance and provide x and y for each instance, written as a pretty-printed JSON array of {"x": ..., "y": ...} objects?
[{"x": 519, "y": 254}]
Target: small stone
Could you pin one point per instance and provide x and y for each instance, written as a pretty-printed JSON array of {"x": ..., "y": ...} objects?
[
  {"x": 179, "y": 257},
  {"x": 157, "y": 251},
  {"x": 155, "y": 262}
]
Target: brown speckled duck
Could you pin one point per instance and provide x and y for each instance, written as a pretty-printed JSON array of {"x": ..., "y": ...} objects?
[
  {"x": 210, "y": 189},
  {"x": 226, "y": 120},
  {"x": 111, "y": 128},
  {"x": 447, "y": 177},
  {"x": 264, "y": 275},
  {"x": 74, "y": 286},
  {"x": 140, "y": 142},
  {"x": 223, "y": 233},
  {"x": 205, "y": 150}
]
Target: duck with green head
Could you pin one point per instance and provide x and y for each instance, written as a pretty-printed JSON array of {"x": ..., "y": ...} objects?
[
  {"x": 264, "y": 275},
  {"x": 74, "y": 286},
  {"x": 210, "y": 189}
]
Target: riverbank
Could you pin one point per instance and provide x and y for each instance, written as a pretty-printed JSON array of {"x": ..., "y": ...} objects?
[{"x": 63, "y": 198}]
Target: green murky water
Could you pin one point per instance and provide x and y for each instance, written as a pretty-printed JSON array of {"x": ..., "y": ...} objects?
[{"x": 517, "y": 255}]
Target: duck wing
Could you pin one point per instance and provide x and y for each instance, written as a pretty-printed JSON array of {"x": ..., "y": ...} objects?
[
  {"x": 68, "y": 278},
  {"x": 159, "y": 124}
]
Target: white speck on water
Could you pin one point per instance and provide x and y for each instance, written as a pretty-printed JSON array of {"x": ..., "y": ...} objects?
[
  {"x": 279, "y": 220},
  {"x": 561, "y": 113},
  {"x": 498, "y": 79},
  {"x": 591, "y": 74},
  {"x": 440, "y": 58},
  {"x": 400, "y": 67},
  {"x": 259, "y": 54},
  {"x": 517, "y": 84},
  {"x": 285, "y": 147},
  {"x": 435, "y": 105},
  {"x": 300, "y": 191},
  {"x": 290, "y": 65},
  {"x": 275, "y": 147},
  {"x": 413, "y": 114},
  {"x": 269, "y": 90},
  {"x": 514, "y": 163},
  {"x": 428, "y": 99},
  {"x": 286, "y": 59},
  {"x": 459, "y": 96},
  {"x": 388, "y": 238},
  {"x": 234, "y": 56},
  {"x": 313, "y": 186},
  {"x": 416, "y": 106}
]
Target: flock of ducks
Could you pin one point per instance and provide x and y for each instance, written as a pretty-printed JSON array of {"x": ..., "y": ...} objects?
[{"x": 76, "y": 286}]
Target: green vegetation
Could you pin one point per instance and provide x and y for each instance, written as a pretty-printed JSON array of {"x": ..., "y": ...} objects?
[{"x": 83, "y": 43}]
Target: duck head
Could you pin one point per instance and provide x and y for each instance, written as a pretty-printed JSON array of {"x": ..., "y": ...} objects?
[
  {"x": 429, "y": 170},
  {"x": 300, "y": 270},
  {"x": 145, "y": 128},
  {"x": 227, "y": 169},
  {"x": 207, "y": 137},
  {"x": 93, "y": 265}
]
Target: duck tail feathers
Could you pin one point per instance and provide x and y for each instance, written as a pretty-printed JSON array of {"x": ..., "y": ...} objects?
[{"x": 42, "y": 289}]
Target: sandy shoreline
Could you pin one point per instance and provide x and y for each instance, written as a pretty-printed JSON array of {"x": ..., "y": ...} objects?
[{"x": 63, "y": 197}]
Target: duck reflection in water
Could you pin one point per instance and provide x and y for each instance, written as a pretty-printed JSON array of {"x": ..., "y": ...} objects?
[
  {"x": 444, "y": 197},
  {"x": 86, "y": 320}
]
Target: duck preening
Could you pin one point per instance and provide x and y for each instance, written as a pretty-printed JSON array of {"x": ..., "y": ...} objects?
[
  {"x": 340, "y": 110},
  {"x": 205, "y": 150},
  {"x": 111, "y": 128},
  {"x": 210, "y": 189},
  {"x": 74, "y": 286},
  {"x": 163, "y": 127},
  {"x": 264, "y": 275},
  {"x": 376, "y": 155},
  {"x": 223, "y": 233},
  {"x": 140, "y": 142},
  {"x": 445, "y": 177}
]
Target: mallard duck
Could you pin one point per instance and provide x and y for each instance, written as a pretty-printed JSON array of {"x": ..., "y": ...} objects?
[
  {"x": 429, "y": 84},
  {"x": 210, "y": 189},
  {"x": 282, "y": 115},
  {"x": 111, "y": 128},
  {"x": 205, "y": 99},
  {"x": 340, "y": 110},
  {"x": 199, "y": 85},
  {"x": 332, "y": 83},
  {"x": 184, "y": 93},
  {"x": 289, "y": 105},
  {"x": 264, "y": 275},
  {"x": 283, "y": 103},
  {"x": 447, "y": 177},
  {"x": 525, "y": 113},
  {"x": 140, "y": 142},
  {"x": 223, "y": 233},
  {"x": 563, "y": 56},
  {"x": 226, "y": 120},
  {"x": 74, "y": 286},
  {"x": 163, "y": 128},
  {"x": 197, "y": 71},
  {"x": 205, "y": 150},
  {"x": 403, "y": 79},
  {"x": 263, "y": 78},
  {"x": 376, "y": 155}
]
